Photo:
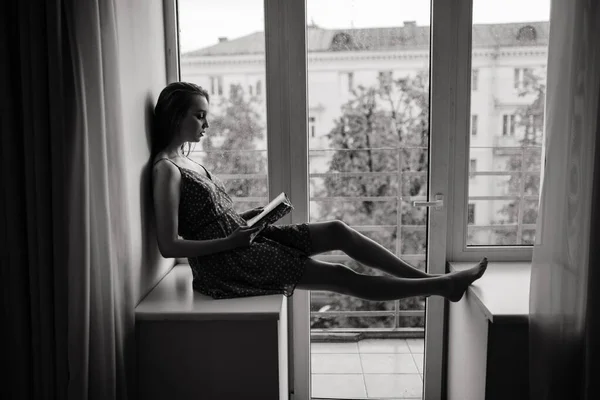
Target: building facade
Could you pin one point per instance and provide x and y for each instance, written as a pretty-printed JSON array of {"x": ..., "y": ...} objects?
[{"x": 504, "y": 58}]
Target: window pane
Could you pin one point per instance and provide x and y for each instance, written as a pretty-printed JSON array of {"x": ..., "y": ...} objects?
[
  {"x": 368, "y": 91},
  {"x": 224, "y": 53},
  {"x": 510, "y": 47}
]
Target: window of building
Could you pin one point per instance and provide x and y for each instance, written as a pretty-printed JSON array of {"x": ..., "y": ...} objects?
[
  {"x": 474, "y": 79},
  {"x": 522, "y": 78},
  {"x": 250, "y": 90},
  {"x": 385, "y": 79},
  {"x": 259, "y": 88},
  {"x": 527, "y": 33},
  {"x": 347, "y": 81},
  {"x": 471, "y": 214},
  {"x": 216, "y": 85},
  {"x": 474, "y": 122},
  {"x": 312, "y": 126},
  {"x": 341, "y": 42},
  {"x": 472, "y": 167},
  {"x": 508, "y": 125}
]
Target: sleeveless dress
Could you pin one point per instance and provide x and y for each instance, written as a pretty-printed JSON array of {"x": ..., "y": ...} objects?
[{"x": 272, "y": 264}]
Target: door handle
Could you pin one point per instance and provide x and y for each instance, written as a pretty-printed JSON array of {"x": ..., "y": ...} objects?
[{"x": 438, "y": 203}]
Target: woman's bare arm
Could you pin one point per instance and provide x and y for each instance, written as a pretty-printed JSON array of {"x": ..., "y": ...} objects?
[{"x": 166, "y": 181}]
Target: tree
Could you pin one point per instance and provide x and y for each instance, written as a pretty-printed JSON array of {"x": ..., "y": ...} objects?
[
  {"x": 231, "y": 146},
  {"x": 529, "y": 126},
  {"x": 382, "y": 129}
]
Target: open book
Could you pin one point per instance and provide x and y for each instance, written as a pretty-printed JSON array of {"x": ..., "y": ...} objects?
[{"x": 277, "y": 208}]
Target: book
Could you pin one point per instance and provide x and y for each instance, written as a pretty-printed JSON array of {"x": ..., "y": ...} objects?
[{"x": 275, "y": 210}]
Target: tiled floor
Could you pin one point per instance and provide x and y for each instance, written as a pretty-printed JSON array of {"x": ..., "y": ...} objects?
[{"x": 371, "y": 368}]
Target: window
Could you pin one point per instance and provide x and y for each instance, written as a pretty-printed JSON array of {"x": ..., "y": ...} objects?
[
  {"x": 508, "y": 125},
  {"x": 259, "y": 88},
  {"x": 216, "y": 85},
  {"x": 474, "y": 79},
  {"x": 235, "y": 147},
  {"x": 312, "y": 127},
  {"x": 407, "y": 168},
  {"x": 385, "y": 79},
  {"x": 472, "y": 167},
  {"x": 347, "y": 81},
  {"x": 471, "y": 214},
  {"x": 527, "y": 33},
  {"x": 506, "y": 186},
  {"x": 474, "y": 120},
  {"x": 341, "y": 42},
  {"x": 523, "y": 78}
]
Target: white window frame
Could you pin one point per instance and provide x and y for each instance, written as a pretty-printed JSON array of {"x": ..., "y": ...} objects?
[
  {"x": 286, "y": 57},
  {"x": 457, "y": 249}
]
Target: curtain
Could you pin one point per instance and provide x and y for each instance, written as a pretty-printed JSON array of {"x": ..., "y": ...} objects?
[
  {"x": 67, "y": 314},
  {"x": 101, "y": 312},
  {"x": 35, "y": 95},
  {"x": 563, "y": 305}
]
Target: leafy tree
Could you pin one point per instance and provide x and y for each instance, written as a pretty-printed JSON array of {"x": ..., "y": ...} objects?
[
  {"x": 382, "y": 129},
  {"x": 529, "y": 125},
  {"x": 231, "y": 146}
]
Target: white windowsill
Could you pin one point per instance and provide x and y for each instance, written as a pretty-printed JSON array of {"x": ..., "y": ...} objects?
[
  {"x": 503, "y": 291},
  {"x": 174, "y": 299}
]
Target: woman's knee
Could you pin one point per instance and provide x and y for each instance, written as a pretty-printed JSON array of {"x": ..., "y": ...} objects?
[{"x": 340, "y": 230}]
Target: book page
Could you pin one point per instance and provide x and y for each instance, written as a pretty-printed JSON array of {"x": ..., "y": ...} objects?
[{"x": 268, "y": 208}]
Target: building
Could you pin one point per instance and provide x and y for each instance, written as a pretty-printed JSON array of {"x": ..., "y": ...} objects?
[{"x": 504, "y": 58}]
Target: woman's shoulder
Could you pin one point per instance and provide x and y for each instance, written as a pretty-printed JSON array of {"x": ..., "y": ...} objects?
[{"x": 167, "y": 166}]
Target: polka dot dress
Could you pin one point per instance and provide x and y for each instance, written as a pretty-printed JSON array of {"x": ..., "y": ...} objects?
[{"x": 272, "y": 264}]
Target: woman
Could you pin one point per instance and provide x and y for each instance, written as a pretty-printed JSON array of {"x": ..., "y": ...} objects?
[{"x": 195, "y": 219}]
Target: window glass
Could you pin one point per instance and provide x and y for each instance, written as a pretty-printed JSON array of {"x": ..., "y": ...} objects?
[
  {"x": 509, "y": 57},
  {"x": 368, "y": 90},
  {"x": 220, "y": 49}
]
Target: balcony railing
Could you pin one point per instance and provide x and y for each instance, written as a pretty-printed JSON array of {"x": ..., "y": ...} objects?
[{"x": 397, "y": 313}]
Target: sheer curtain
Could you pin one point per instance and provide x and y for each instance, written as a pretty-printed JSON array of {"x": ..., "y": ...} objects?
[
  {"x": 67, "y": 315},
  {"x": 100, "y": 310},
  {"x": 563, "y": 305}
]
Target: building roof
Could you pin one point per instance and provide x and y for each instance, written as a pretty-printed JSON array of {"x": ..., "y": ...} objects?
[{"x": 409, "y": 36}]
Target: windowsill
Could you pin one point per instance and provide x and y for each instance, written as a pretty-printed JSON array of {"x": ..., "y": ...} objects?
[
  {"x": 502, "y": 293},
  {"x": 174, "y": 299}
]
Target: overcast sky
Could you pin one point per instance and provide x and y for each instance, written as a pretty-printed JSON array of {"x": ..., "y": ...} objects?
[{"x": 202, "y": 22}]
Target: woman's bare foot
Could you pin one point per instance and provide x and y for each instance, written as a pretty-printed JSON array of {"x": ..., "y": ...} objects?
[{"x": 460, "y": 281}]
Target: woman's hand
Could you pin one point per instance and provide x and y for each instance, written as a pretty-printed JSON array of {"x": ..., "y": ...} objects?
[
  {"x": 252, "y": 213},
  {"x": 242, "y": 236}
]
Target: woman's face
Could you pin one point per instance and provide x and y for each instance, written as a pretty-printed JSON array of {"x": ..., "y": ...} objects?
[{"x": 194, "y": 123}]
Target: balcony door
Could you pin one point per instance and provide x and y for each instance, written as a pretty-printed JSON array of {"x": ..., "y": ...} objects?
[
  {"x": 346, "y": 107},
  {"x": 373, "y": 159}
]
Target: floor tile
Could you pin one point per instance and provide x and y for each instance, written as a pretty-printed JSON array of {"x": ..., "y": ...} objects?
[
  {"x": 416, "y": 345},
  {"x": 338, "y": 386},
  {"x": 388, "y": 364},
  {"x": 394, "y": 385},
  {"x": 383, "y": 346},
  {"x": 349, "y": 347},
  {"x": 335, "y": 364},
  {"x": 418, "y": 357}
]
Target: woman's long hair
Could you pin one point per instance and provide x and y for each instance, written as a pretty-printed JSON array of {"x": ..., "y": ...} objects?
[{"x": 172, "y": 105}]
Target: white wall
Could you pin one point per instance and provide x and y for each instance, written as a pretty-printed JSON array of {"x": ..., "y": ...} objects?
[{"x": 143, "y": 75}]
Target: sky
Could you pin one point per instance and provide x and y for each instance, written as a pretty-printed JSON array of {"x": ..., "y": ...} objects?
[{"x": 202, "y": 22}]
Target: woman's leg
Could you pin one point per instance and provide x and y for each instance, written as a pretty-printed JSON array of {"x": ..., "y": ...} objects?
[
  {"x": 337, "y": 235},
  {"x": 320, "y": 275}
]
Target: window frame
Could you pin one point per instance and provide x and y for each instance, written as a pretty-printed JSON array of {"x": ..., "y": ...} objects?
[
  {"x": 457, "y": 249},
  {"x": 450, "y": 100}
]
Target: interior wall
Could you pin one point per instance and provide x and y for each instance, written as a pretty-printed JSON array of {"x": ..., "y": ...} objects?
[{"x": 140, "y": 32}]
